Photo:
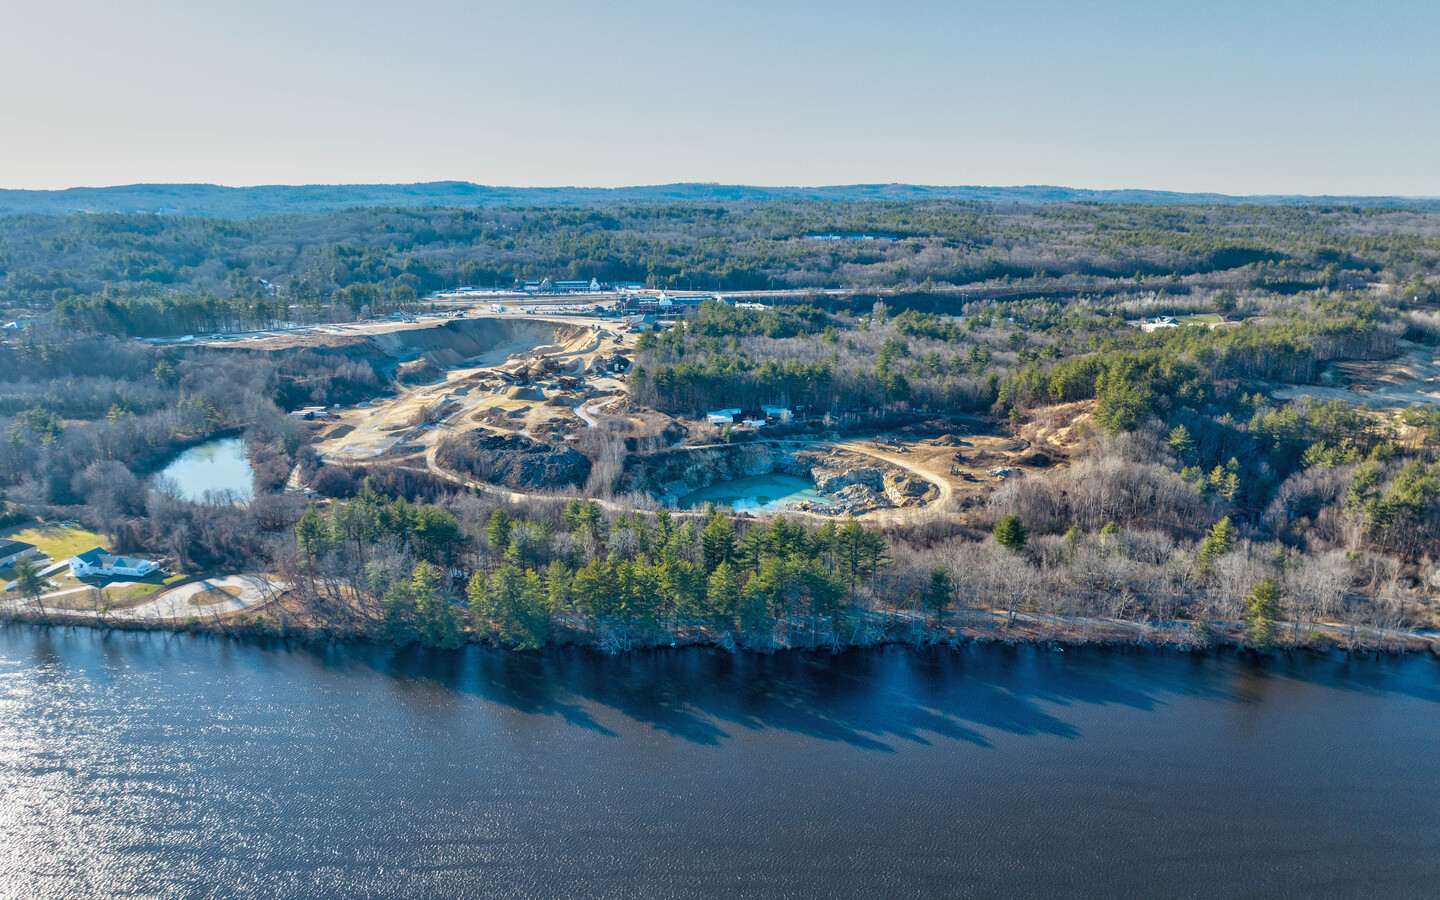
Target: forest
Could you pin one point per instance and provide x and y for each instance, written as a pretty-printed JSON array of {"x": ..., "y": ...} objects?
[
  {"x": 154, "y": 275},
  {"x": 1219, "y": 479}
]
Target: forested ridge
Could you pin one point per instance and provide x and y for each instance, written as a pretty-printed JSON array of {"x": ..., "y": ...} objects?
[
  {"x": 154, "y": 274},
  {"x": 219, "y": 201}
]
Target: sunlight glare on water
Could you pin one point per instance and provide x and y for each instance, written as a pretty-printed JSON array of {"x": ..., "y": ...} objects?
[{"x": 166, "y": 766}]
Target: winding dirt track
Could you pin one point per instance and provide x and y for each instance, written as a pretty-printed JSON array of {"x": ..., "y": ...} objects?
[
  {"x": 586, "y": 410},
  {"x": 938, "y": 508}
]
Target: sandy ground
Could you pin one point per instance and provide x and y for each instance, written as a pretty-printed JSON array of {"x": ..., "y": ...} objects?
[
  {"x": 476, "y": 396},
  {"x": 1413, "y": 377}
]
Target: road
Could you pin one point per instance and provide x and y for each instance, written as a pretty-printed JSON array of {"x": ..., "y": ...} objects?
[
  {"x": 246, "y": 593},
  {"x": 586, "y": 414}
]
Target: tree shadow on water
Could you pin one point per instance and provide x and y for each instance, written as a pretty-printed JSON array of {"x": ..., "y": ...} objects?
[{"x": 875, "y": 700}]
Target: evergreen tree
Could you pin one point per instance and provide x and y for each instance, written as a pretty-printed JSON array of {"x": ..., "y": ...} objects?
[
  {"x": 722, "y": 596},
  {"x": 850, "y": 550},
  {"x": 435, "y": 617},
  {"x": 1220, "y": 541},
  {"x": 1181, "y": 443},
  {"x": 399, "y": 612},
  {"x": 312, "y": 533},
  {"x": 558, "y": 587},
  {"x": 1110, "y": 538},
  {"x": 1262, "y": 612},
  {"x": 1070, "y": 542},
  {"x": 755, "y": 616},
  {"x": 717, "y": 542},
  {"x": 937, "y": 598},
  {"x": 1011, "y": 533},
  {"x": 28, "y": 582},
  {"x": 497, "y": 530}
]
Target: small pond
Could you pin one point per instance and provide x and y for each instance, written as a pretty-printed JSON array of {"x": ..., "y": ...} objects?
[
  {"x": 757, "y": 493},
  {"x": 214, "y": 466}
]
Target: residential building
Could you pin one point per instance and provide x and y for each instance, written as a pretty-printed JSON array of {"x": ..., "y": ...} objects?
[
  {"x": 101, "y": 563},
  {"x": 12, "y": 552}
]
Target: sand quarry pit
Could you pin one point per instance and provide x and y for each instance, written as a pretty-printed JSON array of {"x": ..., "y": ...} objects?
[
  {"x": 1410, "y": 378},
  {"x": 503, "y": 370}
]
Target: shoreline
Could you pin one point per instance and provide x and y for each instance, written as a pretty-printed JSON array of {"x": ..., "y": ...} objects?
[{"x": 1397, "y": 644}]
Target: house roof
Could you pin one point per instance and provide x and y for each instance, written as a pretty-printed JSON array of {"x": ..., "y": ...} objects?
[
  {"x": 10, "y": 548},
  {"x": 104, "y": 559}
]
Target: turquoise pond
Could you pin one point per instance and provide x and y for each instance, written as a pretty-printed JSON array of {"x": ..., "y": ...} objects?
[
  {"x": 214, "y": 466},
  {"x": 757, "y": 493}
]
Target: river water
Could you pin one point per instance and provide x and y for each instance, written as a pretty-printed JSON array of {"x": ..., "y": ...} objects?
[{"x": 157, "y": 765}]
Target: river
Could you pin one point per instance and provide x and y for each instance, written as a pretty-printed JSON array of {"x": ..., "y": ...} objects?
[{"x": 158, "y": 765}]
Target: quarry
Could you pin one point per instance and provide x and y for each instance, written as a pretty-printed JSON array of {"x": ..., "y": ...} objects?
[{"x": 539, "y": 405}]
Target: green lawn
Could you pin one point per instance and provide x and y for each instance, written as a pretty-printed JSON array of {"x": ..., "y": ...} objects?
[
  {"x": 148, "y": 587},
  {"x": 1200, "y": 319},
  {"x": 60, "y": 543}
]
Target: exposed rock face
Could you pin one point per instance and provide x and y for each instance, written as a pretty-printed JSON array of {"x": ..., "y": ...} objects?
[
  {"x": 853, "y": 483},
  {"x": 515, "y": 460},
  {"x": 838, "y": 471},
  {"x": 669, "y": 475},
  {"x": 904, "y": 489}
]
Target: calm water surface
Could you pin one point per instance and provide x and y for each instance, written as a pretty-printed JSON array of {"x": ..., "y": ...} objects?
[
  {"x": 173, "y": 766},
  {"x": 753, "y": 494},
  {"x": 218, "y": 465}
]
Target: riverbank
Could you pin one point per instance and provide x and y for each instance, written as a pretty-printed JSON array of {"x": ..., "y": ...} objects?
[{"x": 259, "y": 608}]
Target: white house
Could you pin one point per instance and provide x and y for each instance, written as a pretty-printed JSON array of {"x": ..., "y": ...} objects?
[
  {"x": 722, "y": 416},
  {"x": 103, "y": 564},
  {"x": 12, "y": 552},
  {"x": 1159, "y": 322},
  {"x": 779, "y": 413}
]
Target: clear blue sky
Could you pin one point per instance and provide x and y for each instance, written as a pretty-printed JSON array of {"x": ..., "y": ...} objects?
[{"x": 1238, "y": 97}]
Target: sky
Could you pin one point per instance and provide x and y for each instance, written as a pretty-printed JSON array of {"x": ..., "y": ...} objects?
[{"x": 1253, "y": 97}]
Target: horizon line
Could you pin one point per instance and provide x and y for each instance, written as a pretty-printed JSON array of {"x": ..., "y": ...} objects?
[{"x": 715, "y": 184}]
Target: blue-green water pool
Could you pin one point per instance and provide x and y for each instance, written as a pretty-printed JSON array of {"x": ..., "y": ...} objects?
[{"x": 756, "y": 493}]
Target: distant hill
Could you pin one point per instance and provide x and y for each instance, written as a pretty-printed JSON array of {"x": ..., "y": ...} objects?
[{"x": 215, "y": 200}]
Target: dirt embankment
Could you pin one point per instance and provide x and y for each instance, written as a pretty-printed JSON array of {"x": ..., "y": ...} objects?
[
  {"x": 476, "y": 342},
  {"x": 514, "y": 460}
]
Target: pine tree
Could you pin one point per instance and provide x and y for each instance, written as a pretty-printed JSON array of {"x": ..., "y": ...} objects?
[
  {"x": 1070, "y": 542},
  {"x": 559, "y": 587},
  {"x": 755, "y": 616},
  {"x": 1262, "y": 611},
  {"x": 1011, "y": 533},
  {"x": 722, "y": 596},
  {"x": 1220, "y": 541},
  {"x": 399, "y": 607},
  {"x": 312, "y": 533},
  {"x": 1110, "y": 537},
  {"x": 497, "y": 530},
  {"x": 938, "y": 596},
  {"x": 28, "y": 582},
  {"x": 1181, "y": 442},
  {"x": 717, "y": 542},
  {"x": 435, "y": 617}
]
